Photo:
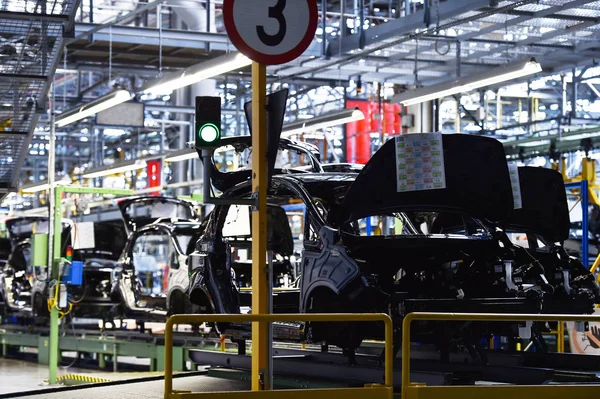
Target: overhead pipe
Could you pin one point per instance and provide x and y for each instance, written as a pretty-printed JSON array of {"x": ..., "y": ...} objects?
[
  {"x": 574, "y": 94},
  {"x": 324, "y": 25}
]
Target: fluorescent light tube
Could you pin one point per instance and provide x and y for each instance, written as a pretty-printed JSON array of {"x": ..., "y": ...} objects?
[
  {"x": 324, "y": 121},
  {"x": 196, "y": 73},
  {"x": 181, "y": 155},
  {"x": 120, "y": 167},
  {"x": 100, "y": 104},
  {"x": 493, "y": 76}
]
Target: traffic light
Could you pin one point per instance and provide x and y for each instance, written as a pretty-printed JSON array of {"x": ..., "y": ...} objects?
[{"x": 208, "y": 122}]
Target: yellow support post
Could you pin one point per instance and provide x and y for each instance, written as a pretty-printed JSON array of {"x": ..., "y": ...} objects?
[
  {"x": 560, "y": 337},
  {"x": 260, "y": 350},
  {"x": 222, "y": 342}
]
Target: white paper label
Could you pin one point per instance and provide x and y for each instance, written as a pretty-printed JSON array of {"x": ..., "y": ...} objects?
[
  {"x": 82, "y": 235},
  {"x": 513, "y": 170},
  {"x": 420, "y": 162}
]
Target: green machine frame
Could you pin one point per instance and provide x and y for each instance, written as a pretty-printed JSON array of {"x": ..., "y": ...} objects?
[{"x": 56, "y": 219}]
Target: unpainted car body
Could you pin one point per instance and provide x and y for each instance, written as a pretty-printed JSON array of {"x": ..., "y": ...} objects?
[{"x": 151, "y": 279}]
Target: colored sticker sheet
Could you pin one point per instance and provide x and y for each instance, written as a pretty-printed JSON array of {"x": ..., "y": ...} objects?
[
  {"x": 513, "y": 170},
  {"x": 420, "y": 162}
]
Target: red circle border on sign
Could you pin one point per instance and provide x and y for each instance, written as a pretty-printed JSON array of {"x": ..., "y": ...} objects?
[{"x": 269, "y": 59}]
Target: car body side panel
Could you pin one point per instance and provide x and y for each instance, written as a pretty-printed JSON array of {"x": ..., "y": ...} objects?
[
  {"x": 212, "y": 279},
  {"x": 179, "y": 280},
  {"x": 330, "y": 268},
  {"x": 544, "y": 210}
]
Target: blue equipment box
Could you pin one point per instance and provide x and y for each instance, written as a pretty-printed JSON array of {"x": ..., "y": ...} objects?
[{"x": 73, "y": 273}]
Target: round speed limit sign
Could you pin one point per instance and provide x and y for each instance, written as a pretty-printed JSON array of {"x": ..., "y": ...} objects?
[{"x": 271, "y": 31}]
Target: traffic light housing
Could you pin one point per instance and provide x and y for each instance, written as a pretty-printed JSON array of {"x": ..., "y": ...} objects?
[{"x": 208, "y": 122}]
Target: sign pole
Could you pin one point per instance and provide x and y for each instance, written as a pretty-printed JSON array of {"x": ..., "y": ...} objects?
[
  {"x": 269, "y": 32},
  {"x": 260, "y": 341}
]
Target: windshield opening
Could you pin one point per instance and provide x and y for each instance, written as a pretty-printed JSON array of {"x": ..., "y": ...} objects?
[
  {"x": 149, "y": 211},
  {"x": 230, "y": 159}
]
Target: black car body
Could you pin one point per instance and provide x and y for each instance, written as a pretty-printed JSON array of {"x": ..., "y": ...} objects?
[
  {"x": 544, "y": 221},
  {"x": 25, "y": 287},
  {"x": 17, "y": 275},
  {"x": 151, "y": 279},
  {"x": 426, "y": 264}
]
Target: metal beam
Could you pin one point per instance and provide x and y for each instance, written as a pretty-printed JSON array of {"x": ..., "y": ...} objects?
[
  {"x": 13, "y": 133},
  {"x": 27, "y": 16},
  {"x": 338, "y": 63},
  {"x": 181, "y": 110},
  {"x": 22, "y": 77},
  {"x": 151, "y": 36},
  {"x": 532, "y": 40},
  {"x": 123, "y": 19},
  {"x": 402, "y": 26},
  {"x": 492, "y": 28}
]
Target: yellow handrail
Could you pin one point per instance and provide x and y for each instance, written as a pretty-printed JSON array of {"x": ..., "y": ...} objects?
[
  {"x": 409, "y": 390},
  {"x": 595, "y": 265},
  {"x": 270, "y": 318}
]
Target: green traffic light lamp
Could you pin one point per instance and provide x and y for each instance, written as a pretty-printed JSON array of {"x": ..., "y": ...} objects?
[
  {"x": 208, "y": 122},
  {"x": 209, "y": 133}
]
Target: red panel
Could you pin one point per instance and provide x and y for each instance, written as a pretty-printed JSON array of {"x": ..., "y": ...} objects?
[
  {"x": 397, "y": 118},
  {"x": 358, "y": 134},
  {"x": 153, "y": 170},
  {"x": 374, "y": 117},
  {"x": 388, "y": 119}
]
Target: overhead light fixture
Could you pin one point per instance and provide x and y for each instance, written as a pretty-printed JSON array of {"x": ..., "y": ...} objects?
[
  {"x": 181, "y": 155},
  {"x": 493, "y": 76},
  {"x": 117, "y": 168},
  {"x": 107, "y": 101},
  {"x": 324, "y": 121},
  {"x": 196, "y": 73},
  {"x": 44, "y": 185}
]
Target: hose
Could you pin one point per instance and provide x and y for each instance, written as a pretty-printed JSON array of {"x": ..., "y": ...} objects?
[{"x": 53, "y": 303}]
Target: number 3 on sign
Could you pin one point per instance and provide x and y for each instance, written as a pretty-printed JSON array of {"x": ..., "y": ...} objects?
[
  {"x": 271, "y": 31},
  {"x": 274, "y": 12}
]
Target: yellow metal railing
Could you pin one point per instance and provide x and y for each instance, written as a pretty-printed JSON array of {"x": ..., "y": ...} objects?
[
  {"x": 417, "y": 390},
  {"x": 595, "y": 265},
  {"x": 372, "y": 391}
]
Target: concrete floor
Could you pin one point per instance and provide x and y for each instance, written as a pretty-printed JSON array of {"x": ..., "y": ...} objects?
[
  {"x": 22, "y": 376},
  {"x": 19, "y": 376}
]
